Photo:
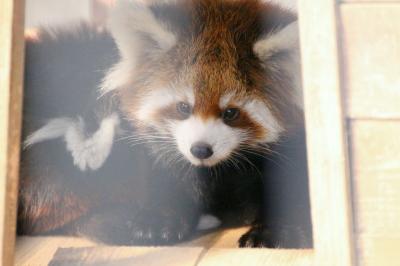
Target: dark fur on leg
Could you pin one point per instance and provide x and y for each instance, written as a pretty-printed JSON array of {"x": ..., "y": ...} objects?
[
  {"x": 284, "y": 220},
  {"x": 124, "y": 225}
]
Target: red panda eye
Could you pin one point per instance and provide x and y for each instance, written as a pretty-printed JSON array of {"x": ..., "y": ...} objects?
[
  {"x": 230, "y": 114},
  {"x": 184, "y": 109}
]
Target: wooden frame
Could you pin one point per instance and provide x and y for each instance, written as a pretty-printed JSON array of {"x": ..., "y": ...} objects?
[
  {"x": 11, "y": 66},
  {"x": 329, "y": 178},
  {"x": 326, "y": 141}
]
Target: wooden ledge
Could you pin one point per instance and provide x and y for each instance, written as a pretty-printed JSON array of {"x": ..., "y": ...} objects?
[{"x": 217, "y": 248}]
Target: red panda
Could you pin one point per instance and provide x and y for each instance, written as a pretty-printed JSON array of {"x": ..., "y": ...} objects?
[
  {"x": 207, "y": 92},
  {"x": 226, "y": 73}
]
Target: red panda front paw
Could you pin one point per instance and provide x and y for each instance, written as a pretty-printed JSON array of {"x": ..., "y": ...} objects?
[
  {"x": 120, "y": 225},
  {"x": 275, "y": 237},
  {"x": 256, "y": 237},
  {"x": 159, "y": 228}
]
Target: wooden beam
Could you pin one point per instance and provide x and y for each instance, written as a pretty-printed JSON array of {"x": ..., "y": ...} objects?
[
  {"x": 327, "y": 144},
  {"x": 69, "y": 251},
  {"x": 371, "y": 56},
  {"x": 376, "y": 184},
  {"x": 11, "y": 68}
]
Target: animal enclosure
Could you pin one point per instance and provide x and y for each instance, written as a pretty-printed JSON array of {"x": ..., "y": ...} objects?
[{"x": 351, "y": 81}]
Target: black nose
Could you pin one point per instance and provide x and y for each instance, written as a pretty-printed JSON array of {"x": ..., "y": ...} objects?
[{"x": 201, "y": 150}]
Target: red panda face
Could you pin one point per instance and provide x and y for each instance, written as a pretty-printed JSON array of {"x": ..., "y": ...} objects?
[{"x": 206, "y": 79}]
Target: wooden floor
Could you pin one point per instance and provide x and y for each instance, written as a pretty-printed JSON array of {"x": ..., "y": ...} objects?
[{"x": 218, "y": 248}]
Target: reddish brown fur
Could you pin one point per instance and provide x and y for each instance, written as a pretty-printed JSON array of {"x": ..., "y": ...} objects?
[
  {"x": 40, "y": 201},
  {"x": 214, "y": 55}
]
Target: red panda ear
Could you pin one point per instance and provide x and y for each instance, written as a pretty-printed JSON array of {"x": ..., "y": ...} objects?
[
  {"x": 134, "y": 28},
  {"x": 132, "y": 22},
  {"x": 285, "y": 39}
]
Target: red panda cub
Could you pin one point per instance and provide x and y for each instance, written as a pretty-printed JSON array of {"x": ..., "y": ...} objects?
[{"x": 199, "y": 112}]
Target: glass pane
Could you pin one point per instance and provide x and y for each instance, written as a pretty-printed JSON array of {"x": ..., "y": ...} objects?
[{"x": 164, "y": 123}]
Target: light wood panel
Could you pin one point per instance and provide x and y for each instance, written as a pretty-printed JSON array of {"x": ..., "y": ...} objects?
[
  {"x": 376, "y": 171},
  {"x": 371, "y": 53},
  {"x": 217, "y": 248},
  {"x": 40, "y": 250},
  {"x": 327, "y": 146},
  {"x": 188, "y": 256},
  {"x": 127, "y": 256},
  {"x": 257, "y": 257},
  {"x": 11, "y": 65}
]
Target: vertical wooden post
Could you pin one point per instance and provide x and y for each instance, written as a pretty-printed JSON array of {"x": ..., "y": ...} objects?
[
  {"x": 326, "y": 139},
  {"x": 11, "y": 69}
]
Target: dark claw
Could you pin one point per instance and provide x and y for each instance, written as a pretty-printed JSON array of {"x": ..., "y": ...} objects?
[{"x": 275, "y": 237}]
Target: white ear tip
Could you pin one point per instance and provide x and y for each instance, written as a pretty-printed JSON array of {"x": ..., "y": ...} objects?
[{"x": 260, "y": 49}]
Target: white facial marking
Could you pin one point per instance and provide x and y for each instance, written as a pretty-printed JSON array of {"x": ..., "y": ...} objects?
[
  {"x": 225, "y": 100},
  {"x": 157, "y": 99},
  {"x": 260, "y": 112},
  {"x": 222, "y": 138},
  {"x": 154, "y": 101}
]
